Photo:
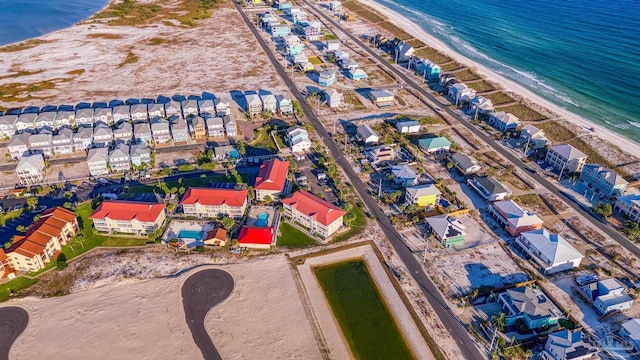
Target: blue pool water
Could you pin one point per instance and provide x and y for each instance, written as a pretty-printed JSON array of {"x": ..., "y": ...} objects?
[
  {"x": 191, "y": 234},
  {"x": 262, "y": 219}
]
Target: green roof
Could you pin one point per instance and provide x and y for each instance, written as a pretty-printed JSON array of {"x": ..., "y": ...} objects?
[{"x": 434, "y": 143}]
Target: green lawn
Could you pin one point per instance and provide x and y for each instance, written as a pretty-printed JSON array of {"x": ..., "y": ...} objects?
[
  {"x": 363, "y": 316},
  {"x": 292, "y": 237},
  {"x": 355, "y": 227},
  {"x": 14, "y": 285},
  {"x": 8, "y": 216}
]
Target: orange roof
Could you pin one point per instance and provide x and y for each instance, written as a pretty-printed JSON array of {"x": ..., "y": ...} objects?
[
  {"x": 128, "y": 210},
  {"x": 272, "y": 175},
  {"x": 215, "y": 197},
  {"x": 29, "y": 249},
  {"x": 60, "y": 213},
  {"x": 3, "y": 256},
  {"x": 39, "y": 238},
  {"x": 219, "y": 234},
  {"x": 310, "y": 205}
]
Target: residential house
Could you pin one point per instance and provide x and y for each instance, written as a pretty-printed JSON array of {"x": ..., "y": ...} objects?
[
  {"x": 514, "y": 219},
  {"x": 315, "y": 214},
  {"x": 222, "y": 107},
  {"x": 197, "y": 127},
  {"x": 489, "y": 188},
  {"x": 7, "y": 129},
  {"x": 531, "y": 305},
  {"x": 628, "y": 205},
  {"x": 327, "y": 77},
  {"x": 45, "y": 121},
  {"x": 64, "y": 118},
  {"x": 295, "y": 49},
  {"x": 207, "y": 108},
  {"x": 604, "y": 182},
  {"x": 213, "y": 202},
  {"x": 335, "y": 6},
  {"x": 217, "y": 237},
  {"x": 102, "y": 135},
  {"x": 139, "y": 112},
  {"x": 298, "y": 17},
  {"x": 607, "y": 295},
  {"x": 404, "y": 175},
  {"x": 348, "y": 64},
  {"x": 550, "y": 251},
  {"x": 40, "y": 144},
  {"x": 84, "y": 117},
  {"x": 279, "y": 29},
  {"x": 26, "y": 123},
  {"x": 254, "y": 105},
  {"x": 156, "y": 110},
  {"x": 230, "y": 126},
  {"x": 30, "y": 169},
  {"x": 256, "y": 237},
  {"x": 98, "y": 161},
  {"x": 269, "y": 103},
  {"x": 142, "y": 133},
  {"x": 504, "y": 121},
  {"x": 435, "y": 145},
  {"x": 567, "y": 345},
  {"x": 448, "y": 230},
  {"x": 140, "y": 154},
  {"x": 62, "y": 143},
  {"x": 298, "y": 139},
  {"x": 334, "y": 98},
  {"x": 481, "y": 105},
  {"x": 404, "y": 51},
  {"x": 380, "y": 154},
  {"x": 119, "y": 159},
  {"x": 332, "y": 44},
  {"x": 367, "y": 135},
  {"x": 630, "y": 331},
  {"x": 215, "y": 127},
  {"x": 301, "y": 60},
  {"x": 128, "y": 217},
  {"x": 121, "y": 113},
  {"x": 226, "y": 153},
  {"x": 460, "y": 92},
  {"x": 565, "y": 157},
  {"x": 189, "y": 107},
  {"x": 340, "y": 56},
  {"x": 19, "y": 145},
  {"x": 82, "y": 139},
  {"x": 311, "y": 30},
  {"x": 103, "y": 115},
  {"x": 408, "y": 126},
  {"x": 43, "y": 240},
  {"x": 160, "y": 130},
  {"x": 429, "y": 70},
  {"x": 272, "y": 179},
  {"x": 179, "y": 129},
  {"x": 357, "y": 74},
  {"x": 382, "y": 98},
  {"x": 422, "y": 195},
  {"x": 533, "y": 138},
  {"x": 123, "y": 134},
  {"x": 465, "y": 163},
  {"x": 284, "y": 5},
  {"x": 173, "y": 108},
  {"x": 284, "y": 105},
  {"x": 291, "y": 40}
]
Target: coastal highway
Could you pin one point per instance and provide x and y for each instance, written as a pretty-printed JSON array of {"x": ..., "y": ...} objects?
[
  {"x": 13, "y": 321},
  {"x": 409, "y": 81},
  {"x": 456, "y": 329}
]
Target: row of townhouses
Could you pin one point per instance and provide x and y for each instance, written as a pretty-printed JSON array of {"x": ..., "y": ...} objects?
[
  {"x": 258, "y": 103},
  {"x": 102, "y": 161}
]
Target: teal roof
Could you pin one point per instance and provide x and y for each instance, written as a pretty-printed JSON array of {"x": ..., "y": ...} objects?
[{"x": 434, "y": 143}]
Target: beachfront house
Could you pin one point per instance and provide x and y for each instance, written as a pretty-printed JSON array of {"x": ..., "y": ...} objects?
[
  {"x": 489, "y": 188},
  {"x": 215, "y": 127},
  {"x": 404, "y": 51},
  {"x": 214, "y": 202},
  {"x": 348, "y": 64},
  {"x": 504, "y": 121},
  {"x": 222, "y": 107},
  {"x": 531, "y": 305},
  {"x": 604, "y": 182},
  {"x": 448, "y": 230},
  {"x": 269, "y": 103},
  {"x": 367, "y": 135},
  {"x": 7, "y": 129},
  {"x": 64, "y": 118},
  {"x": 284, "y": 105},
  {"x": 119, "y": 159},
  {"x": 533, "y": 138},
  {"x": 129, "y": 217},
  {"x": 45, "y": 120},
  {"x": 550, "y": 251},
  {"x": 84, "y": 117},
  {"x": 207, "y": 108},
  {"x": 481, "y": 106},
  {"x": 62, "y": 143},
  {"x": 271, "y": 180},
  {"x": 422, "y": 195},
  {"x": 335, "y": 6},
  {"x": 567, "y": 345},
  {"x": 426, "y": 68},
  {"x": 139, "y": 112},
  {"x": 179, "y": 129},
  {"x": 327, "y": 77},
  {"x": 628, "y": 205},
  {"x": 317, "y": 215},
  {"x": 19, "y": 145},
  {"x": 189, "y": 107},
  {"x": 26, "y": 123},
  {"x": 142, "y": 133},
  {"x": 121, "y": 113},
  {"x": 156, "y": 110},
  {"x": 382, "y": 98},
  {"x": 160, "y": 130},
  {"x": 103, "y": 115},
  {"x": 298, "y": 139},
  {"x": 334, "y": 98},
  {"x": 630, "y": 332},
  {"x": 98, "y": 161},
  {"x": 460, "y": 92},
  {"x": 408, "y": 126},
  {"x": 123, "y": 134},
  {"x": 565, "y": 157},
  {"x": 514, "y": 219},
  {"x": 607, "y": 295},
  {"x": 254, "y": 105},
  {"x": 435, "y": 145},
  {"x": 139, "y": 155},
  {"x": 30, "y": 169},
  {"x": 173, "y": 108},
  {"x": 311, "y": 30},
  {"x": 403, "y": 175},
  {"x": 466, "y": 164}
]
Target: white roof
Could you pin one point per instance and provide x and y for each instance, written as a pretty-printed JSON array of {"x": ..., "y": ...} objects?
[
  {"x": 568, "y": 152},
  {"x": 422, "y": 190},
  {"x": 552, "y": 247},
  {"x": 633, "y": 328},
  {"x": 445, "y": 226},
  {"x": 516, "y": 216},
  {"x": 98, "y": 154},
  {"x": 29, "y": 162},
  {"x": 403, "y": 172},
  {"x": 366, "y": 131}
]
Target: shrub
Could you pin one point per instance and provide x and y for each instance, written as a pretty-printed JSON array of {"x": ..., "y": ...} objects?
[{"x": 61, "y": 262}]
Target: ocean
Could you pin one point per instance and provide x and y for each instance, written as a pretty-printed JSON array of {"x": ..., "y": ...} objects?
[
  {"x": 583, "y": 55},
  {"x": 26, "y": 19}
]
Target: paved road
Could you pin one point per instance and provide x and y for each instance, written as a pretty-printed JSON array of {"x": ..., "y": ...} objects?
[
  {"x": 13, "y": 321},
  {"x": 432, "y": 294},
  {"x": 479, "y": 133},
  {"x": 200, "y": 292}
]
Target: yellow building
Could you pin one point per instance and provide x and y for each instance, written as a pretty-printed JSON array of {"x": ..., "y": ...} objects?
[{"x": 423, "y": 195}]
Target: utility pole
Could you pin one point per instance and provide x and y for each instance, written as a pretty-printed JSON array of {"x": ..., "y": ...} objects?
[
  {"x": 561, "y": 171},
  {"x": 334, "y": 126},
  {"x": 380, "y": 189},
  {"x": 527, "y": 146}
]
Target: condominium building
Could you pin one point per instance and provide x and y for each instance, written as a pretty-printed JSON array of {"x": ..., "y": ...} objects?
[
  {"x": 317, "y": 215},
  {"x": 128, "y": 217},
  {"x": 212, "y": 202},
  {"x": 271, "y": 179}
]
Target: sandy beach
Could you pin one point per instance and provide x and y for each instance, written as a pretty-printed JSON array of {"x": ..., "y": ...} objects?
[{"x": 402, "y": 22}]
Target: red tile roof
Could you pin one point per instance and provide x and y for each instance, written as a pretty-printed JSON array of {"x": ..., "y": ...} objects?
[
  {"x": 218, "y": 234},
  {"x": 60, "y": 213},
  {"x": 216, "y": 197},
  {"x": 128, "y": 210},
  {"x": 272, "y": 175},
  {"x": 255, "y": 235},
  {"x": 310, "y": 205},
  {"x": 3, "y": 256}
]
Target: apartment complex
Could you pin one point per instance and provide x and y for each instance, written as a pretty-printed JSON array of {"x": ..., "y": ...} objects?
[
  {"x": 211, "y": 202},
  {"x": 271, "y": 179},
  {"x": 317, "y": 215},
  {"x": 128, "y": 217}
]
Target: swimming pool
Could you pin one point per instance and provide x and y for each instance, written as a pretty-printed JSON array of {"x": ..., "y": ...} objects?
[
  {"x": 191, "y": 234},
  {"x": 262, "y": 219}
]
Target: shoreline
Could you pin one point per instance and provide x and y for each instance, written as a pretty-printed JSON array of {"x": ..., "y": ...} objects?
[{"x": 404, "y": 23}]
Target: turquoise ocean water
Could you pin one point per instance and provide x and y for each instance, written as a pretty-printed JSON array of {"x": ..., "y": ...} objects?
[
  {"x": 25, "y": 19},
  {"x": 583, "y": 55}
]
